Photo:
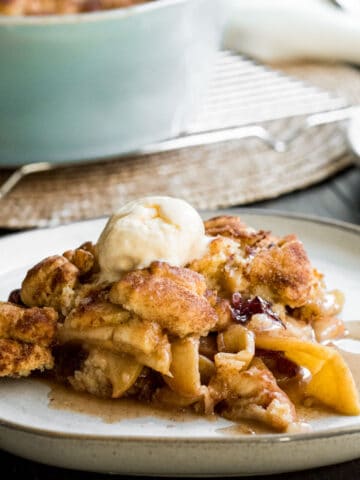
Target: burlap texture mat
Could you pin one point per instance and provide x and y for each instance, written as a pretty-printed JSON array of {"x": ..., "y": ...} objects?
[{"x": 220, "y": 175}]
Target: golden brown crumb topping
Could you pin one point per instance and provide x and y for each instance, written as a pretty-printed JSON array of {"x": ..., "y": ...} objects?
[
  {"x": 26, "y": 337},
  {"x": 174, "y": 297}
]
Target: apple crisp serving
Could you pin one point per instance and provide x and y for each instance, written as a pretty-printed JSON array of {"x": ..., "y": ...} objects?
[
  {"x": 55, "y": 7},
  {"x": 231, "y": 332}
]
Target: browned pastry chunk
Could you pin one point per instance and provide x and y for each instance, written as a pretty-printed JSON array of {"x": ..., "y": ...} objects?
[
  {"x": 89, "y": 293},
  {"x": 222, "y": 308},
  {"x": 262, "y": 264},
  {"x": 101, "y": 324},
  {"x": 26, "y": 335},
  {"x": 174, "y": 301},
  {"x": 234, "y": 228},
  {"x": 30, "y": 325},
  {"x": 282, "y": 272},
  {"x": 253, "y": 394},
  {"x": 95, "y": 314},
  {"x": 110, "y": 326},
  {"x": 181, "y": 276},
  {"x": 89, "y": 247},
  {"x": 20, "y": 359},
  {"x": 82, "y": 259},
  {"x": 50, "y": 283},
  {"x": 222, "y": 266}
]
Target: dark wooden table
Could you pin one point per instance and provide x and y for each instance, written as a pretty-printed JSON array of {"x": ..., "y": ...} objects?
[{"x": 337, "y": 198}]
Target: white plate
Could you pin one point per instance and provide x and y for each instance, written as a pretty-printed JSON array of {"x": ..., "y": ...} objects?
[{"x": 159, "y": 446}]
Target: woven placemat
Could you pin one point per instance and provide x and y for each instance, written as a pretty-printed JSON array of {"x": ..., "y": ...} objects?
[{"x": 220, "y": 175}]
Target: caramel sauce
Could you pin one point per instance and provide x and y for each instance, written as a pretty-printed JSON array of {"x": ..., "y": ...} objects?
[
  {"x": 112, "y": 411},
  {"x": 246, "y": 427}
]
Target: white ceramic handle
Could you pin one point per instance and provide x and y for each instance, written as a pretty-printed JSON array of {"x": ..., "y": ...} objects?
[{"x": 281, "y": 30}]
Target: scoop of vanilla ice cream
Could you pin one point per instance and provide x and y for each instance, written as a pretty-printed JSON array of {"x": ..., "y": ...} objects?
[{"x": 151, "y": 228}]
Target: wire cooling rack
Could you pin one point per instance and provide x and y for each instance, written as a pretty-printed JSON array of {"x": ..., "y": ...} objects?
[
  {"x": 243, "y": 100},
  {"x": 244, "y": 96}
]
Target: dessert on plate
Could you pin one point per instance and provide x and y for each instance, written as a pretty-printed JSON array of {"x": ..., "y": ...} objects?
[{"x": 213, "y": 316}]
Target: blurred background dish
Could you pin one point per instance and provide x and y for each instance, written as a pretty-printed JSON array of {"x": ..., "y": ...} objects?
[
  {"x": 249, "y": 135},
  {"x": 93, "y": 85}
]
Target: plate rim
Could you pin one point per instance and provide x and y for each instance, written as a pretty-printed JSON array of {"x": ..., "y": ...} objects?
[
  {"x": 231, "y": 438},
  {"x": 323, "y": 220}
]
